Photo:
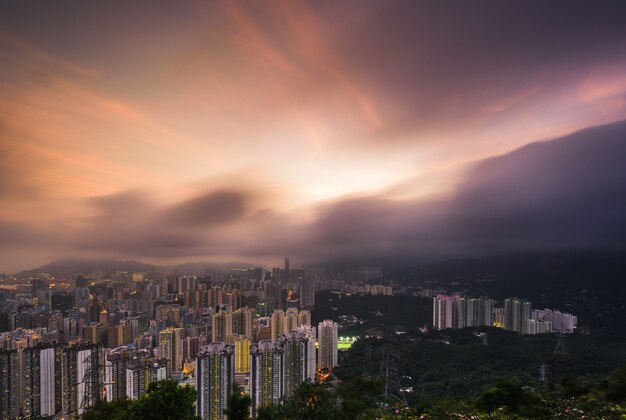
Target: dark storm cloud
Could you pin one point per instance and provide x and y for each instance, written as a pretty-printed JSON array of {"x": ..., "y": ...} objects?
[
  {"x": 437, "y": 62},
  {"x": 563, "y": 194},
  {"x": 135, "y": 223},
  {"x": 219, "y": 207}
]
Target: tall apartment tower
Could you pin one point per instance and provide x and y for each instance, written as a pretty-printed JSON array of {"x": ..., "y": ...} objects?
[
  {"x": 242, "y": 322},
  {"x": 307, "y": 292},
  {"x": 516, "y": 315},
  {"x": 9, "y": 384},
  {"x": 215, "y": 372},
  {"x": 446, "y": 310},
  {"x": 488, "y": 305},
  {"x": 115, "y": 373},
  {"x": 266, "y": 374},
  {"x": 327, "y": 335},
  {"x": 141, "y": 372},
  {"x": 304, "y": 318},
  {"x": 298, "y": 358},
  {"x": 278, "y": 324},
  {"x": 170, "y": 347},
  {"x": 38, "y": 381},
  {"x": 287, "y": 268},
  {"x": 526, "y": 314},
  {"x": 291, "y": 320},
  {"x": 81, "y": 382},
  {"x": 242, "y": 354},
  {"x": 222, "y": 327}
]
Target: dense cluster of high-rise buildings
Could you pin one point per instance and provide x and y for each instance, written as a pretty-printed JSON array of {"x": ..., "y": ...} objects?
[
  {"x": 67, "y": 341},
  {"x": 457, "y": 311},
  {"x": 46, "y": 379}
]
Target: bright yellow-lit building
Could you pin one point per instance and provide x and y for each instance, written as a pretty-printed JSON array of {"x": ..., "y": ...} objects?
[{"x": 242, "y": 354}]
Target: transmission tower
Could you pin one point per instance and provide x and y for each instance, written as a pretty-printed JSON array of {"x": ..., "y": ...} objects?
[
  {"x": 367, "y": 361},
  {"x": 88, "y": 383},
  {"x": 389, "y": 374},
  {"x": 560, "y": 345},
  {"x": 543, "y": 372}
]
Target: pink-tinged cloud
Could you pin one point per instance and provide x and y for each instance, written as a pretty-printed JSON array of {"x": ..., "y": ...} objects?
[
  {"x": 259, "y": 129},
  {"x": 572, "y": 199}
]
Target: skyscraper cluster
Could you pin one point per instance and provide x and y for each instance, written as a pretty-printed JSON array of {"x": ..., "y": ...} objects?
[
  {"x": 248, "y": 327},
  {"x": 456, "y": 311},
  {"x": 46, "y": 379},
  {"x": 276, "y": 368}
]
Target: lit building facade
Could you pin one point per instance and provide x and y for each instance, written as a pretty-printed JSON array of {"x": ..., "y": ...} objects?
[
  {"x": 170, "y": 347},
  {"x": 298, "y": 358},
  {"x": 215, "y": 372},
  {"x": 327, "y": 331},
  {"x": 266, "y": 374}
]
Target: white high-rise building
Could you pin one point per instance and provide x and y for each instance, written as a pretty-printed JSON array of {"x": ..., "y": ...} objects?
[
  {"x": 445, "y": 311},
  {"x": 215, "y": 372},
  {"x": 537, "y": 327},
  {"x": 47, "y": 382},
  {"x": 327, "y": 332},
  {"x": 37, "y": 381},
  {"x": 560, "y": 321}
]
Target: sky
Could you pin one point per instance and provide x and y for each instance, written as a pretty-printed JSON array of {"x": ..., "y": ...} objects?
[{"x": 187, "y": 131}]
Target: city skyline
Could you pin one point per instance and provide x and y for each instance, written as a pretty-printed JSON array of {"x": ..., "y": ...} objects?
[{"x": 237, "y": 131}]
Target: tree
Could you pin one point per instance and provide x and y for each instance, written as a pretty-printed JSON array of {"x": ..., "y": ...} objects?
[
  {"x": 165, "y": 400},
  {"x": 308, "y": 402},
  {"x": 114, "y": 410},
  {"x": 512, "y": 396},
  {"x": 238, "y": 405},
  {"x": 616, "y": 386},
  {"x": 271, "y": 412},
  {"x": 359, "y": 397}
]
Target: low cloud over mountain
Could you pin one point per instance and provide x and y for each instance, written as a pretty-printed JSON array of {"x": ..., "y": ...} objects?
[{"x": 563, "y": 194}]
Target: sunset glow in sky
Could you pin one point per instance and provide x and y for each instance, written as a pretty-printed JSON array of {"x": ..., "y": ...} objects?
[{"x": 175, "y": 131}]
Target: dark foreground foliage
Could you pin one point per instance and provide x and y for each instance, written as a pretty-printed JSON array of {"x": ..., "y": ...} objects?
[
  {"x": 590, "y": 397},
  {"x": 163, "y": 400}
]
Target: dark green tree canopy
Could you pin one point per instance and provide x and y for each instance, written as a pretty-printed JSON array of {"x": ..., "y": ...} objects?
[{"x": 164, "y": 400}]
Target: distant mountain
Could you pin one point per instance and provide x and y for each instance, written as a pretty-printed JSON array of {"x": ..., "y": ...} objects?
[{"x": 86, "y": 266}]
